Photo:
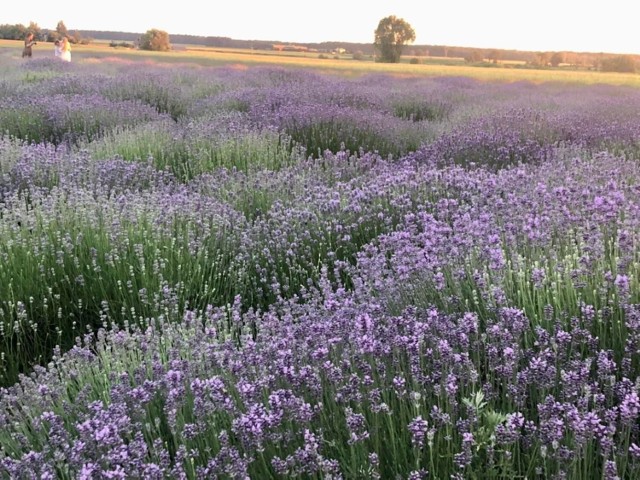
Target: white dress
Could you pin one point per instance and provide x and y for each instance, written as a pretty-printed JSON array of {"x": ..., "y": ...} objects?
[{"x": 65, "y": 55}]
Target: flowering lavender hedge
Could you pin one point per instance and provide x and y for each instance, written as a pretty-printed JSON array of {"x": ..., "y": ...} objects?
[
  {"x": 190, "y": 148},
  {"x": 444, "y": 286},
  {"x": 68, "y": 118}
]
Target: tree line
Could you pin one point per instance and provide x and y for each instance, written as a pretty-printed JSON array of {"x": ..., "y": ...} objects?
[
  {"x": 20, "y": 31},
  {"x": 394, "y": 34}
]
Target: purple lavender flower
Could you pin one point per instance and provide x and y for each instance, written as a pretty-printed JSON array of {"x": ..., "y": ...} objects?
[
  {"x": 418, "y": 429},
  {"x": 357, "y": 426}
]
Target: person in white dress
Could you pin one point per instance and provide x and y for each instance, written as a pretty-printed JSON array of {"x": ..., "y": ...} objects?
[
  {"x": 57, "y": 50},
  {"x": 65, "y": 49}
]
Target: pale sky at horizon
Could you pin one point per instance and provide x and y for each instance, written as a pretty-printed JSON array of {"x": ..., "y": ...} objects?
[{"x": 544, "y": 25}]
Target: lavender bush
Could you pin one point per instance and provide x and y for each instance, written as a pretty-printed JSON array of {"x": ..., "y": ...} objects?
[
  {"x": 269, "y": 273},
  {"x": 200, "y": 146},
  {"x": 68, "y": 118}
]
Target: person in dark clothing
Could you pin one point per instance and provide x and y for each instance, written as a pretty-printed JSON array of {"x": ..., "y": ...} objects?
[{"x": 28, "y": 43}]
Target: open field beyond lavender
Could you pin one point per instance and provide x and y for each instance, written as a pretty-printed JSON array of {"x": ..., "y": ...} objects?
[
  {"x": 344, "y": 65},
  {"x": 224, "y": 272}
]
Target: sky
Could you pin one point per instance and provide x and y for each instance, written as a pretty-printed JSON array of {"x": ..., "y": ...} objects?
[{"x": 541, "y": 25}]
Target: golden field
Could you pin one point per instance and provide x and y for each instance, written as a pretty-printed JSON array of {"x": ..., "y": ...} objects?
[{"x": 343, "y": 64}]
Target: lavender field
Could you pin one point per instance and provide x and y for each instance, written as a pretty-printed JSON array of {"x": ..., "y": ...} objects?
[{"x": 272, "y": 273}]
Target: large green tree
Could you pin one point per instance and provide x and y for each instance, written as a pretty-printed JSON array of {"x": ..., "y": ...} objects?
[
  {"x": 61, "y": 29},
  {"x": 391, "y": 36},
  {"x": 156, "y": 40}
]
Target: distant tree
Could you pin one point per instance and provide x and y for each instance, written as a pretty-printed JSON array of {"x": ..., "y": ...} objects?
[
  {"x": 36, "y": 30},
  {"x": 391, "y": 36},
  {"x": 61, "y": 32},
  {"x": 52, "y": 36},
  {"x": 494, "y": 55},
  {"x": 474, "y": 56},
  {"x": 13, "y": 32},
  {"x": 61, "y": 29},
  {"x": 575, "y": 59},
  {"x": 76, "y": 37},
  {"x": 619, "y": 63},
  {"x": 155, "y": 40},
  {"x": 556, "y": 59},
  {"x": 541, "y": 59}
]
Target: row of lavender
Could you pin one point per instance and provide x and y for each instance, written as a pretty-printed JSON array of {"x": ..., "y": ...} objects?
[{"x": 251, "y": 305}]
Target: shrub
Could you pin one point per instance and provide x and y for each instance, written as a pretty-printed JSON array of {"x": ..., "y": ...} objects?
[
  {"x": 69, "y": 118},
  {"x": 154, "y": 90},
  {"x": 156, "y": 40},
  {"x": 115, "y": 44}
]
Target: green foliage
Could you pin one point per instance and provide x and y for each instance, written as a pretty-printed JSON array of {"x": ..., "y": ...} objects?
[
  {"x": 339, "y": 134},
  {"x": 189, "y": 155},
  {"x": 418, "y": 110},
  {"x": 620, "y": 63},
  {"x": 13, "y": 32},
  {"x": 26, "y": 123},
  {"x": 155, "y": 40},
  {"x": 82, "y": 288},
  {"x": 390, "y": 37}
]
